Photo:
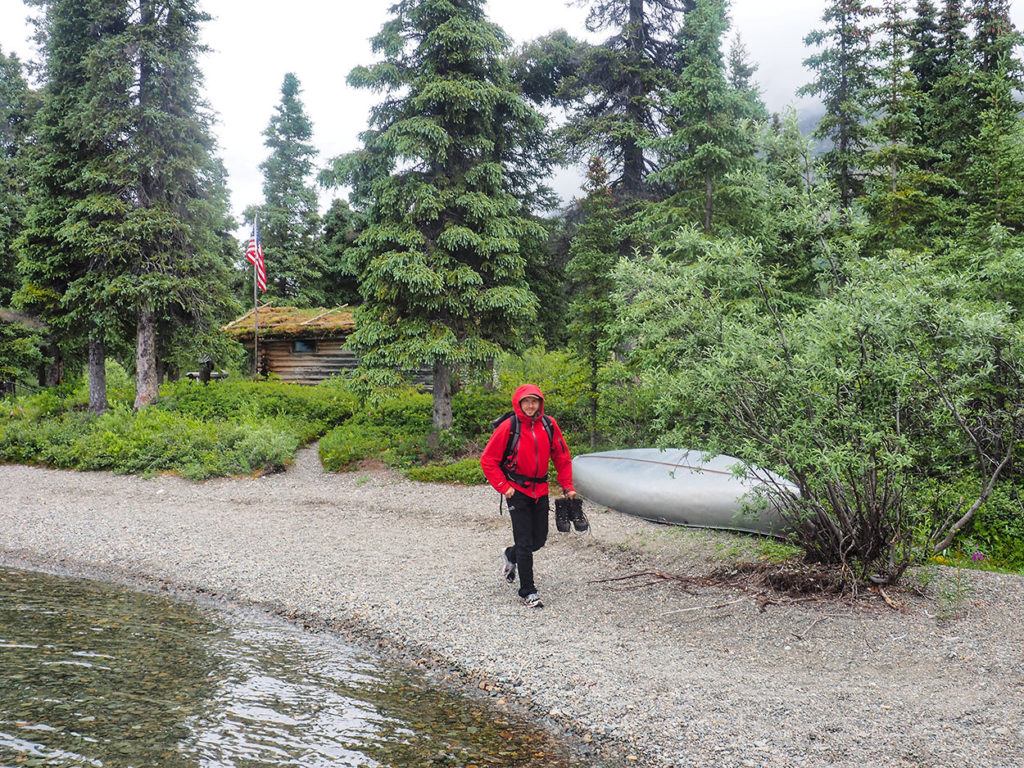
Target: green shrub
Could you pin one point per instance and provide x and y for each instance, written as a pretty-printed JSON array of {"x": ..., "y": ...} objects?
[
  {"x": 238, "y": 400},
  {"x": 474, "y": 409},
  {"x": 152, "y": 440},
  {"x": 997, "y": 531},
  {"x": 344, "y": 447},
  {"x": 398, "y": 430},
  {"x": 27, "y": 440},
  {"x": 559, "y": 375},
  {"x": 464, "y": 472},
  {"x": 407, "y": 414}
]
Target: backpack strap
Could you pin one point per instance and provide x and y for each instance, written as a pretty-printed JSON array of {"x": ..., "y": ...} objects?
[{"x": 508, "y": 459}]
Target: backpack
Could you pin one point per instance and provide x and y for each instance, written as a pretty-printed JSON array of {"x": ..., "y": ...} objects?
[{"x": 508, "y": 458}]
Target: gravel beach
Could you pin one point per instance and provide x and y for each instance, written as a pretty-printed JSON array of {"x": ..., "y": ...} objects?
[{"x": 636, "y": 671}]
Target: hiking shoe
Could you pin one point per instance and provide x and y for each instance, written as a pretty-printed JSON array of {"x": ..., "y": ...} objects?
[
  {"x": 532, "y": 601},
  {"x": 508, "y": 568},
  {"x": 579, "y": 520},
  {"x": 562, "y": 515}
]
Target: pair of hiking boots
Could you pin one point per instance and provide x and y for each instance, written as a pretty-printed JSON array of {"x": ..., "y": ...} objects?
[{"x": 570, "y": 511}]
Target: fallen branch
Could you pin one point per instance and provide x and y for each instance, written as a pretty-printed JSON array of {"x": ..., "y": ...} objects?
[
  {"x": 889, "y": 601},
  {"x": 705, "y": 607},
  {"x": 808, "y": 630}
]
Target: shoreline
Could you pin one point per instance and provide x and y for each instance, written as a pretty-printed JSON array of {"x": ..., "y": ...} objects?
[
  {"x": 423, "y": 660},
  {"x": 651, "y": 676}
]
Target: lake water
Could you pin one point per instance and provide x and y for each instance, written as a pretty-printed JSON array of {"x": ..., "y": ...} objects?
[{"x": 94, "y": 675}]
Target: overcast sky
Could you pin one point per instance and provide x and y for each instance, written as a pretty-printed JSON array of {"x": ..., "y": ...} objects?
[{"x": 254, "y": 43}]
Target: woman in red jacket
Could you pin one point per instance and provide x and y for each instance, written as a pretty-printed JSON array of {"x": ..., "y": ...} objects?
[{"x": 521, "y": 477}]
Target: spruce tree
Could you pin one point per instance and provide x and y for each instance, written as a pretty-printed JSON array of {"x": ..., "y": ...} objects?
[
  {"x": 844, "y": 78},
  {"x": 289, "y": 220},
  {"x": 903, "y": 195},
  {"x": 741, "y": 77},
  {"x": 949, "y": 119},
  {"x": 923, "y": 41},
  {"x": 16, "y": 106},
  {"x": 440, "y": 261},
  {"x": 592, "y": 256},
  {"x": 994, "y": 175},
  {"x": 996, "y": 40},
  {"x": 341, "y": 228},
  {"x": 126, "y": 231},
  {"x": 709, "y": 119},
  {"x": 615, "y": 97},
  {"x": 72, "y": 241}
]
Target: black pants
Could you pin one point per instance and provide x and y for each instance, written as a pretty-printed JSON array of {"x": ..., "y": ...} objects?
[{"x": 529, "y": 532}]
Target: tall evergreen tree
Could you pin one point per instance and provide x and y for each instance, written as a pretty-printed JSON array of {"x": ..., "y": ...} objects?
[
  {"x": 441, "y": 259},
  {"x": 923, "y": 41},
  {"x": 592, "y": 256},
  {"x": 994, "y": 172},
  {"x": 289, "y": 220},
  {"x": 179, "y": 213},
  {"x": 71, "y": 240},
  {"x": 709, "y": 119},
  {"x": 844, "y": 77},
  {"x": 341, "y": 228},
  {"x": 614, "y": 99},
  {"x": 16, "y": 102},
  {"x": 949, "y": 119},
  {"x": 902, "y": 193},
  {"x": 127, "y": 224},
  {"x": 995, "y": 40},
  {"x": 741, "y": 72}
]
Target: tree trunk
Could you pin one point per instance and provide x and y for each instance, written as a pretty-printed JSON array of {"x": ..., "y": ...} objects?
[
  {"x": 442, "y": 396},
  {"x": 146, "y": 388},
  {"x": 632, "y": 153},
  {"x": 594, "y": 395},
  {"x": 97, "y": 377},
  {"x": 708, "y": 200},
  {"x": 52, "y": 372}
]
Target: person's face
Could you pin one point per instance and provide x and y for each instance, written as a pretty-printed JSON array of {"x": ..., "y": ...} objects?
[{"x": 530, "y": 405}]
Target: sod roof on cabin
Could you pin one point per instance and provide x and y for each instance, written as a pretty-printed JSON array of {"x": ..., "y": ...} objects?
[{"x": 293, "y": 323}]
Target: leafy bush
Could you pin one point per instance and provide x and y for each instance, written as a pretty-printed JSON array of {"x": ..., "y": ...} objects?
[
  {"x": 344, "y": 447},
  {"x": 46, "y": 441},
  {"x": 398, "y": 430},
  {"x": 997, "y": 530},
  {"x": 154, "y": 440},
  {"x": 474, "y": 409},
  {"x": 560, "y": 376},
  {"x": 854, "y": 398},
  {"x": 626, "y": 410},
  {"x": 236, "y": 400},
  {"x": 235, "y": 429},
  {"x": 464, "y": 472}
]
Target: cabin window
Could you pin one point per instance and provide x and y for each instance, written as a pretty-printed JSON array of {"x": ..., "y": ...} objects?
[{"x": 303, "y": 346}]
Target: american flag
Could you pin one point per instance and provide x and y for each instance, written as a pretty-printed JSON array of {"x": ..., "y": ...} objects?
[{"x": 254, "y": 253}]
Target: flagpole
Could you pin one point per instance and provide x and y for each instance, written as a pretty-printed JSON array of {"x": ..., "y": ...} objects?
[{"x": 255, "y": 306}]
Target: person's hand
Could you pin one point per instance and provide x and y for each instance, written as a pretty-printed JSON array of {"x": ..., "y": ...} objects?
[
  {"x": 571, "y": 494},
  {"x": 510, "y": 493}
]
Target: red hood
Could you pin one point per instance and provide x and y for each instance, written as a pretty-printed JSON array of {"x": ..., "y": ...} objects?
[{"x": 520, "y": 393}]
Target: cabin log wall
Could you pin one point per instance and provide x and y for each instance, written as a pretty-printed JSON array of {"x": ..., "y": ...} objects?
[{"x": 330, "y": 359}]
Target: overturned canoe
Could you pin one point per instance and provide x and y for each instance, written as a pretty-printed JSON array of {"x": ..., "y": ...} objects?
[{"x": 682, "y": 487}]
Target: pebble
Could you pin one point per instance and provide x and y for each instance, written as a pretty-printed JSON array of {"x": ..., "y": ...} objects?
[{"x": 630, "y": 674}]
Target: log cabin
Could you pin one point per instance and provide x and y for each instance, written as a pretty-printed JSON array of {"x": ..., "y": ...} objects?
[{"x": 303, "y": 346}]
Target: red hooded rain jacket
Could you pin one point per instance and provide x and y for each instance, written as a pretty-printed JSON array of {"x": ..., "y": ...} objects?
[{"x": 534, "y": 452}]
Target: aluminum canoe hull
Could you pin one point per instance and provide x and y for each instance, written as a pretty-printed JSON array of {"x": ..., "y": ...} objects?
[{"x": 683, "y": 487}]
